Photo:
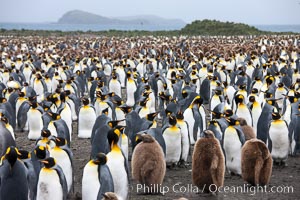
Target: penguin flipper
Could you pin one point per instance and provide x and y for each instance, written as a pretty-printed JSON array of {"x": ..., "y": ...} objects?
[
  {"x": 22, "y": 114},
  {"x": 63, "y": 130},
  {"x": 63, "y": 181},
  {"x": 240, "y": 134},
  {"x": 106, "y": 181}
]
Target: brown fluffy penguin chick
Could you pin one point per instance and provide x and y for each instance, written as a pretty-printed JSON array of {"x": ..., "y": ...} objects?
[
  {"x": 148, "y": 162},
  {"x": 247, "y": 130},
  {"x": 256, "y": 162},
  {"x": 110, "y": 196},
  {"x": 208, "y": 163}
]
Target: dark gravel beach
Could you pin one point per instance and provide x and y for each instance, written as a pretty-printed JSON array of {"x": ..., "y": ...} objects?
[{"x": 178, "y": 181}]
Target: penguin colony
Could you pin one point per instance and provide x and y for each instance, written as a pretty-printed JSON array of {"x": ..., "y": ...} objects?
[{"x": 235, "y": 99}]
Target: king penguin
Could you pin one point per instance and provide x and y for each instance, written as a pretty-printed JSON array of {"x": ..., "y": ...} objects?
[
  {"x": 185, "y": 142},
  {"x": 172, "y": 137},
  {"x": 148, "y": 162},
  {"x": 256, "y": 163},
  {"x": 278, "y": 140},
  {"x": 233, "y": 140},
  {"x": 64, "y": 157},
  {"x": 35, "y": 121},
  {"x": 117, "y": 164},
  {"x": 242, "y": 109},
  {"x": 13, "y": 176},
  {"x": 96, "y": 179},
  {"x": 208, "y": 163},
  {"x": 52, "y": 183},
  {"x": 131, "y": 87},
  {"x": 86, "y": 119}
]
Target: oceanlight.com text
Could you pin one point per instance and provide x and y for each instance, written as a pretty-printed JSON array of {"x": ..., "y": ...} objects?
[{"x": 189, "y": 188}]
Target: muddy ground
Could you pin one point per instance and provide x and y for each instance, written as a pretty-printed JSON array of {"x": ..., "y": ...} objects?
[{"x": 178, "y": 181}]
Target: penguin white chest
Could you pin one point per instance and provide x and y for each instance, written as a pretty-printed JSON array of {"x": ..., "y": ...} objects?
[
  {"x": 35, "y": 123},
  {"x": 189, "y": 118},
  {"x": 130, "y": 89},
  {"x": 232, "y": 148},
  {"x": 64, "y": 162},
  {"x": 90, "y": 182},
  {"x": 115, "y": 86},
  {"x": 115, "y": 162},
  {"x": 49, "y": 186},
  {"x": 86, "y": 120},
  {"x": 172, "y": 138},
  {"x": 279, "y": 135}
]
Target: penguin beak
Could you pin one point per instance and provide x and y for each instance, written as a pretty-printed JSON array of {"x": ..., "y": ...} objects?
[{"x": 44, "y": 161}]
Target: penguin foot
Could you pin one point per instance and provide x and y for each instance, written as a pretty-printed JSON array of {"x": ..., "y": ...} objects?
[
  {"x": 182, "y": 164},
  {"x": 171, "y": 165}
]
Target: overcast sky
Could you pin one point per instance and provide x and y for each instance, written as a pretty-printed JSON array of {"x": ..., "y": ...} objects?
[{"x": 250, "y": 12}]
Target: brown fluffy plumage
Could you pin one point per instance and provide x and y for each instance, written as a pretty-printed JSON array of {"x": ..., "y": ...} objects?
[
  {"x": 247, "y": 130},
  {"x": 208, "y": 164},
  {"x": 256, "y": 162},
  {"x": 148, "y": 162}
]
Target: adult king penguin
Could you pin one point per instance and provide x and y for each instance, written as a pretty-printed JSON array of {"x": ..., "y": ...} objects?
[
  {"x": 86, "y": 119},
  {"x": 52, "y": 183},
  {"x": 278, "y": 141},
  {"x": 96, "y": 179},
  {"x": 233, "y": 140}
]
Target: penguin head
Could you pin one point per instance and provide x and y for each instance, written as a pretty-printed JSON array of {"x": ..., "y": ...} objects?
[
  {"x": 45, "y": 133},
  {"x": 24, "y": 155},
  {"x": 105, "y": 111},
  {"x": 151, "y": 116},
  {"x": 144, "y": 137},
  {"x": 276, "y": 115},
  {"x": 126, "y": 109},
  {"x": 179, "y": 115},
  {"x": 270, "y": 80},
  {"x": 11, "y": 155},
  {"x": 3, "y": 100},
  {"x": 184, "y": 94},
  {"x": 242, "y": 121},
  {"x": 228, "y": 113},
  {"x": 54, "y": 116},
  {"x": 4, "y": 119},
  {"x": 252, "y": 99},
  {"x": 60, "y": 141},
  {"x": 40, "y": 152},
  {"x": 49, "y": 162},
  {"x": 208, "y": 134},
  {"x": 242, "y": 87},
  {"x": 113, "y": 136},
  {"x": 239, "y": 98},
  {"x": 172, "y": 120},
  {"x": 280, "y": 85},
  {"x": 232, "y": 121},
  {"x": 85, "y": 101},
  {"x": 100, "y": 159}
]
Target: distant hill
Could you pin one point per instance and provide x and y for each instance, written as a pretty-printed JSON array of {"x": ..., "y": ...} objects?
[
  {"x": 82, "y": 17},
  {"x": 214, "y": 27}
]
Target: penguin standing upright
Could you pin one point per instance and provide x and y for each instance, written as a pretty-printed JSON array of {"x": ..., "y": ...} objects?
[
  {"x": 256, "y": 163},
  {"x": 278, "y": 140},
  {"x": 64, "y": 157},
  {"x": 242, "y": 109},
  {"x": 96, "y": 179},
  {"x": 256, "y": 110},
  {"x": 13, "y": 176},
  {"x": 172, "y": 137},
  {"x": 86, "y": 119},
  {"x": 65, "y": 112},
  {"x": 185, "y": 142},
  {"x": 114, "y": 85},
  {"x": 52, "y": 183},
  {"x": 148, "y": 162},
  {"x": 117, "y": 164},
  {"x": 208, "y": 163},
  {"x": 35, "y": 122},
  {"x": 233, "y": 140}
]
